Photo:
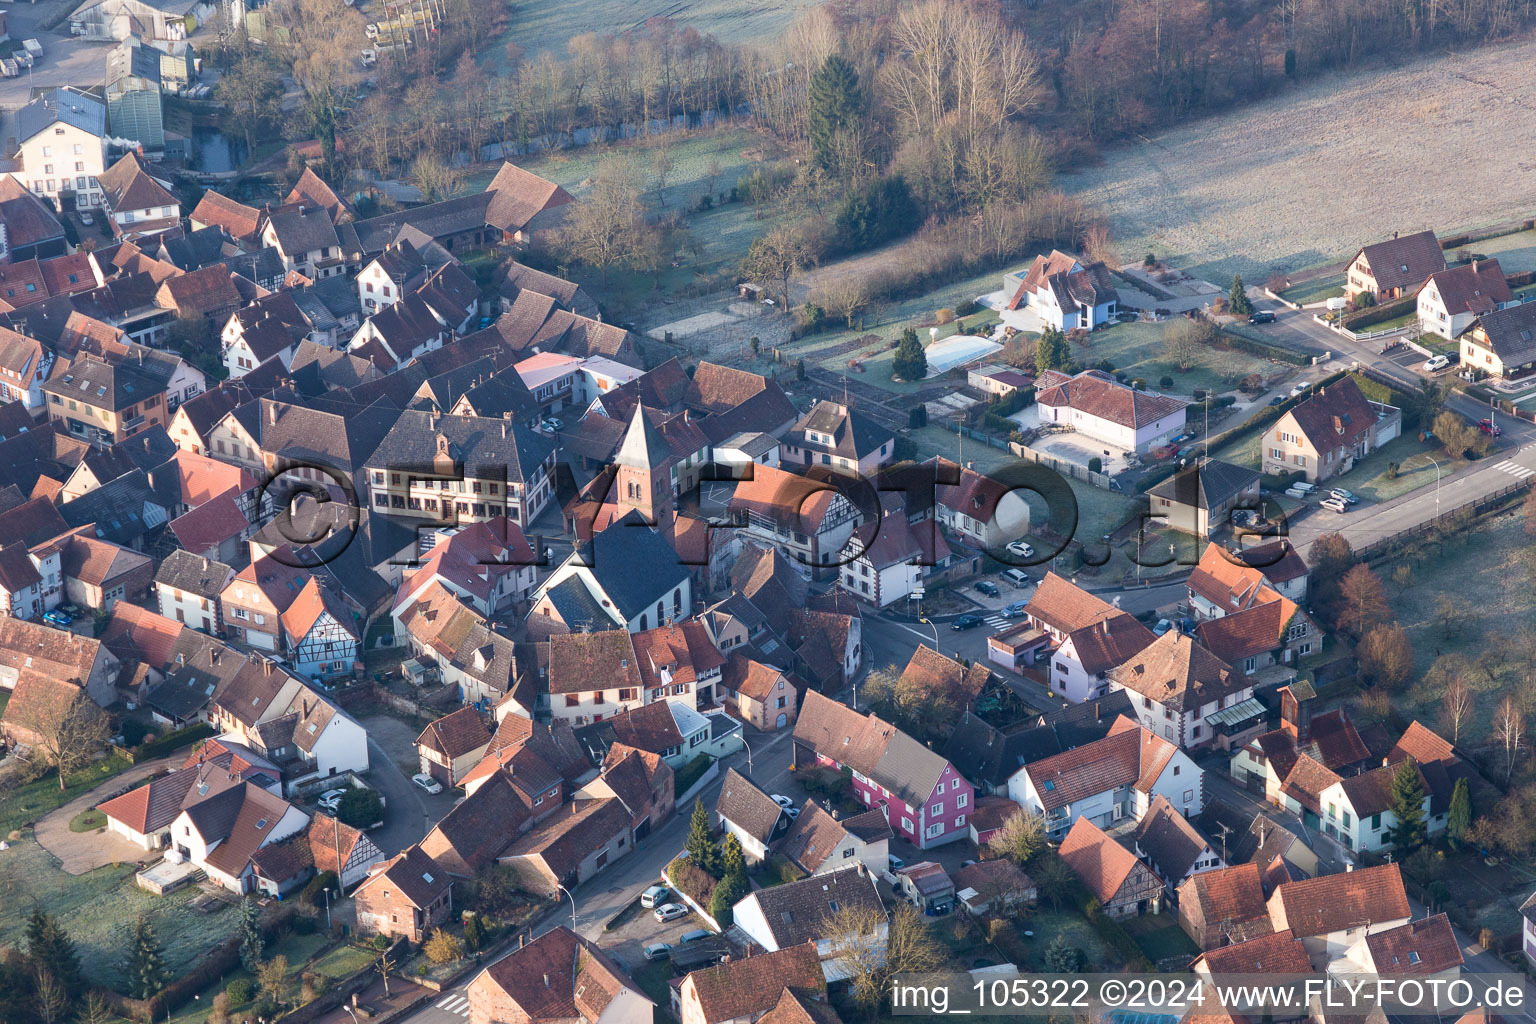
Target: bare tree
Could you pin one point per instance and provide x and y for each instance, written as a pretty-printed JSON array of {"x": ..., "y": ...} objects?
[
  {"x": 50, "y": 997},
  {"x": 1509, "y": 733},
  {"x": 869, "y": 964},
  {"x": 661, "y": 169},
  {"x": 1021, "y": 836},
  {"x": 386, "y": 966},
  {"x": 607, "y": 228},
  {"x": 1458, "y": 706},
  {"x": 777, "y": 256},
  {"x": 1184, "y": 342},
  {"x": 437, "y": 179},
  {"x": 70, "y": 736},
  {"x": 846, "y": 297}
]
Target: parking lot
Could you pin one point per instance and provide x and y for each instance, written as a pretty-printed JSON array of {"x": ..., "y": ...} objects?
[{"x": 66, "y": 60}]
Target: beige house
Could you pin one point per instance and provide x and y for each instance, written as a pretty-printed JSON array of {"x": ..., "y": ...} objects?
[
  {"x": 1393, "y": 268},
  {"x": 1202, "y": 498},
  {"x": 1502, "y": 343},
  {"x": 62, "y": 148},
  {"x": 1324, "y": 436}
]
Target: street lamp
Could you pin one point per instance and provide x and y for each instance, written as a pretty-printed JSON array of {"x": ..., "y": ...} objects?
[
  {"x": 573, "y": 900},
  {"x": 748, "y": 747},
  {"x": 1431, "y": 458},
  {"x": 935, "y": 628}
]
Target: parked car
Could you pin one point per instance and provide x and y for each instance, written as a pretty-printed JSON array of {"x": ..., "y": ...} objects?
[
  {"x": 552, "y": 425},
  {"x": 1301, "y": 388},
  {"x": 1333, "y": 505},
  {"x": 1018, "y": 577},
  {"x": 87, "y": 219},
  {"x": 791, "y": 813},
  {"x": 783, "y": 801},
  {"x": 1490, "y": 428},
  {"x": 1347, "y": 497},
  {"x": 669, "y": 912},
  {"x": 654, "y": 896},
  {"x": 1295, "y": 492},
  {"x": 1304, "y": 487},
  {"x": 1163, "y": 451},
  {"x": 989, "y": 588},
  {"x": 658, "y": 951},
  {"x": 694, "y": 936},
  {"x": 427, "y": 782},
  {"x": 1021, "y": 549},
  {"x": 1163, "y": 626},
  {"x": 1434, "y": 364},
  {"x": 331, "y": 799},
  {"x": 57, "y": 618},
  {"x": 1186, "y": 436},
  {"x": 896, "y": 862},
  {"x": 1186, "y": 451},
  {"x": 1015, "y": 610},
  {"x": 966, "y": 621},
  {"x": 1262, "y": 316}
]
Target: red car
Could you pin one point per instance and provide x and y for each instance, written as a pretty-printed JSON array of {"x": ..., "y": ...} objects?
[
  {"x": 1164, "y": 451},
  {"x": 1488, "y": 427}
]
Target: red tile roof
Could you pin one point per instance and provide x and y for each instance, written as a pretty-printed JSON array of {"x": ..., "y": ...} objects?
[
  {"x": 1330, "y": 903},
  {"x": 1102, "y": 864},
  {"x": 1276, "y": 953},
  {"x": 1427, "y": 946},
  {"x": 752, "y": 985}
]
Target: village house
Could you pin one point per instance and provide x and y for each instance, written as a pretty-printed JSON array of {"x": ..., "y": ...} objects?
[
  {"x": 924, "y": 798},
  {"x": 58, "y": 654},
  {"x": 1330, "y": 913},
  {"x": 320, "y": 633},
  {"x": 1426, "y": 949},
  {"x": 306, "y": 239},
  {"x": 450, "y": 746},
  {"x": 135, "y": 202},
  {"x": 1393, "y": 268},
  {"x": 671, "y": 729},
  {"x": 747, "y": 812},
  {"x": 819, "y": 841},
  {"x": 222, "y": 833},
  {"x": 926, "y": 886},
  {"x": 752, "y": 987},
  {"x": 24, "y": 366},
  {"x": 592, "y": 676},
  {"x": 1450, "y": 300},
  {"x": 61, "y": 146},
  {"x": 1123, "y": 885},
  {"x": 1246, "y": 621},
  {"x": 105, "y": 402},
  {"x": 1275, "y": 952},
  {"x": 1172, "y": 847},
  {"x": 1502, "y": 343},
  {"x": 1108, "y": 779},
  {"x": 326, "y": 846},
  {"x": 1188, "y": 695},
  {"x": 406, "y": 897},
  {"x": 788, "y": 915},
  {"x": 144, "y": 814},
  {"x": 1201, "y": 499},
  {"x": 806, "y": 519},
  {"x": 1064, "y": 291},
  {"x": 556, "y": 978},
  {"x": 1324, "y": 435},
  {"x": 1223, "y": 905},
  {"x": 455, "y": 644},
  {"x": 1095, "y": 404},
  {"x": 1329, "y": 741},
  {"x": 839, "y": 437},
  {"x": 641, "y": 781},
  {"x": 269, "y": 328},
  {"x": 242, "y": 223},
  {"x": 98, "y": 574},
  {"x": 33, "y": 230},
  {"x": 523, "y": 202},
  {"x": 888, "y": 559},
  {"x": 573, "y": 845},
  {"x": 982, "y": 511},
  {"x": 996, "y": 886},
  {"x": 763, "y": 694},
  {"x": 37, "y": 708},
  {"x": 468, "y": 839},
  {"x": 460, "y": 469},
  {"x": 1092, "y": 637},
  {"x": 680, "y": 663},
  {"x": 1247, "y": 838}
]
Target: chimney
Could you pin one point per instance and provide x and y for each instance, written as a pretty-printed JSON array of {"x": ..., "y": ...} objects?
[
  {"x": 1474, "y": 268},
  {"x": 272, "y": 413}
]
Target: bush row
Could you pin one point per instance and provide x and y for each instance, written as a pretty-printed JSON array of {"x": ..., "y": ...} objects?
[
  {"x": 1372, "y": 315},
  {"x": 1263, "y": 349}
]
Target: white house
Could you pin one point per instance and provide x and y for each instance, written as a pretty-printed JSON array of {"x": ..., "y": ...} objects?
[
  {"x": 748, "y": 813},
  {"x": 1450, "y": 300},
  {"x": 798, "y": 912},
  {"x": 821, "y": 844},
  {"x": 271, "y": 326},
  {"x": 188, "y": 588},
  {"x": 1176, "y": 688},
  {"x": 986, "y": 512},
  {"x": 887, "y": 559},
  {"x": 1330, "y": 913},
  {"x": 1357, "y": 811},
  {"x": 62, "y": 149},
  {"x": 321, "y": 633},
  {"x": 1092, "y": 637},
  {"x": 1427, "y": 949},
  {"x": 1109, "y": 779},
  {"x": 1172, "y": 847},
  {"x": 1096, "y": 405},
  {"x": 1064, "y": 291},
  {"x": 24, "y": 366},
  {"x": 221, "y": 834}
]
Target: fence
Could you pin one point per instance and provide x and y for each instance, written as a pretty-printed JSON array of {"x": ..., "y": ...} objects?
[{"x": 1476, "y": 507}]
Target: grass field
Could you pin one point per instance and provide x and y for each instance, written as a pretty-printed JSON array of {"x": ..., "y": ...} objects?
[
  {"x": 1369, "y": 478},
  {"x": 1515, "y": 252},
  {"x": 1318, "y": 290},
  {"x": 1241, "y": 192},
  {"x": 98, "y": 910},
  {"x": 1074, "y": 929},
  {"x": 28, "y": 803},
  {"x": 1160, "y": 936},
  {"x": 540, "y": 25}
]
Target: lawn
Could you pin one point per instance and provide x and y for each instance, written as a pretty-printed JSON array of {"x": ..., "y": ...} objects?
[
  {"x": 344, "y": 961},
  {"x": 1515, "y": 252},
  {"x": 1317, "y": 290},
  {"x": 1073, "y": 928},
  {"x": 99, "y": 909},
  {"x": 1416, "y": 468},
  {"x": 26, "y": 804},
  {"x": 654, "y": 978},
  {"x": 1160, "y": 936},
  {"x": 88, "y": 821}
]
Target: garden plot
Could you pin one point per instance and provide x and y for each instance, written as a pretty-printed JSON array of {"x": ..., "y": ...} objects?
[
  {"x": 688, "y": 327},
  {"x": 1305, "y": 179}
]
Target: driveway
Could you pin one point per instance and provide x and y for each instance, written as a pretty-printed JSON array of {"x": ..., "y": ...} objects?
[{"x": 82, "y": 852}]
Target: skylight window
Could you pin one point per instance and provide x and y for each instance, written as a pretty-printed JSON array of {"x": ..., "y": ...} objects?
[{"x": 261, "y": 824}]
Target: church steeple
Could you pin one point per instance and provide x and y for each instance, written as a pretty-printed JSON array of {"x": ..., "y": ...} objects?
[{"x": 643, "y": 446}]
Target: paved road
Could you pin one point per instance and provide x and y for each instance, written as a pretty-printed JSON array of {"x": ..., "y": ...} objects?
[
  {"x": 603, "y": 897},
  {"x": 406, "y": 817},
  {"x": 66, "y": 60}
]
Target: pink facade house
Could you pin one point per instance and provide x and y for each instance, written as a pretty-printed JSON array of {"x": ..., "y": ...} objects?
[{"x": 923, "y": 797}]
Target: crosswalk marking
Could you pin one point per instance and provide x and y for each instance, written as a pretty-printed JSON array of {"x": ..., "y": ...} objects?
[
  {"x": 1514, "y": 469},
  {"x": 455, "y": 1004},
  {"x": 996, "y": 621}
]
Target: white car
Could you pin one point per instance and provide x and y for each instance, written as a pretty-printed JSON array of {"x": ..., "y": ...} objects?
[
  {"x": 658, "y": 951},
  {"x": 791, "y": 813},
  {"x": 1021, "y": 549},
  {"x": 87, "y": 219},
  {"x": 783, "y": 801},
  {"x": 427, "y": 782},
  {"x": 331, "y": 799},
  {"x": 1436, "y": 363},
  {"x": 1301, "y": 389},
  {"x": 669, "y": 912},
  {"x": 1333, "y": 505}
]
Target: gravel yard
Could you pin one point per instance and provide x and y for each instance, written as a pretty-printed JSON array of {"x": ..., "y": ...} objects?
[{"x": 1307, "y": 177}]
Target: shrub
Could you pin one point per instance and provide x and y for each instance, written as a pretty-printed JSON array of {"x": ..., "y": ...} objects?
[
  {"x": 133, "y": 732},
  {"x": 317, "y": 885},
  {"x": 1150, "y": 261},
  {"x": 381, "y": 942},
  {"x": 1165, "y": 382},
  {"x": 944, "y": 316},
  {"x": 305, "y": 925},
  {"x": 443, "y": 947},
  {"x": 965, "y": 307},
  {"x": 1095, "y": 465},
  {"x": 240, "y": 991}
]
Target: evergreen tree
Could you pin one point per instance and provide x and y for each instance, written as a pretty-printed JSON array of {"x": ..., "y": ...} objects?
[
  {"x": 833, "y": 111},
  {"x": 1460, "y": 817},
  {"x": 701, "y": 846},
  {"x": 145, "y": 968},
  {"x": 1061, "y": 958},
  {"x": 1407, "y": 807},
  {"x": 51, "y": 949},
  {"x": 1238, "y": 301},
  {"x": 732, "y": 860},
  {"x": 252, "y": 945},
  {"x": 910, "y": 361},
  {"x": 1051, "y": 351},
  {"x": 731, "y": 890},
  {"x": 474, "y": 933}
]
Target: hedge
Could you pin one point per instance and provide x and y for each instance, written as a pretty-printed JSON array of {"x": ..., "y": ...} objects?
[
  {"x": 1118, "y": 938},
  {"x": 697, "y": 883},
  {"x": 1263, "y": 349},
  {"x": 170, "y": 742},
  {"x": 1372, "y": 315}
]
